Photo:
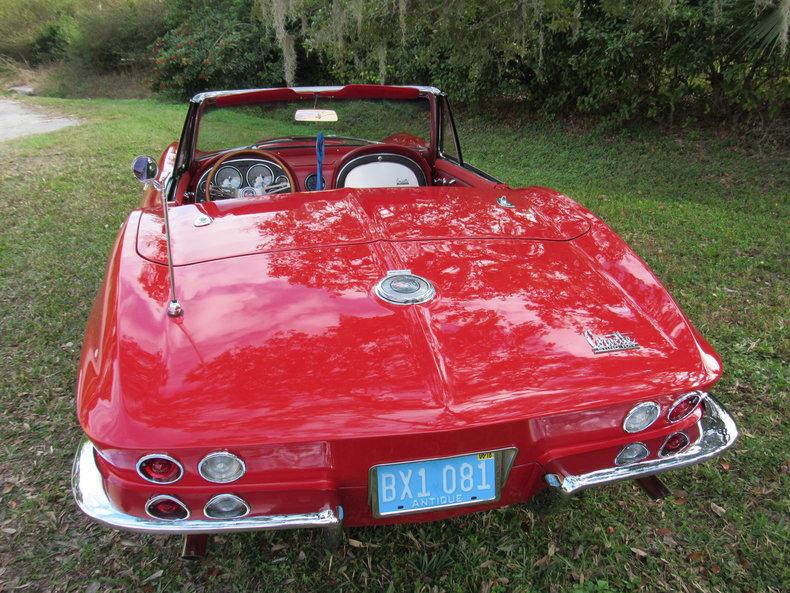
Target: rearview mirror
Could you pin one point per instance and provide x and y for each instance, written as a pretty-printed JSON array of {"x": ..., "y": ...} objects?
[
  {"x": 315, "y": 115},
  {"x": 145, "y": 168}
]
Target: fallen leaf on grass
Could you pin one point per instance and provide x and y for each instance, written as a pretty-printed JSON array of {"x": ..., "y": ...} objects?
[
  {"x": 725, "y": 466},
  {"x": 213, "y": 571},
  {"x": 541, "y": 561},
  {"x": 153, "y": 577},
  {"x": 717, "y": 509},
  {"x": 355, "y": 543},
  {"x": 639, "y": 553},
  {"x": 695, "y": 556},
  {"x": 663, "y": 531}
]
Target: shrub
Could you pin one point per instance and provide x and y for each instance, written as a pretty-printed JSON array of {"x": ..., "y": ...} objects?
[
  {"x": 35, "y": 30},
  {"x": 52, "y": 42},
  {"x": 218, "y": 44},
  {"x": 115, "y": 34}
]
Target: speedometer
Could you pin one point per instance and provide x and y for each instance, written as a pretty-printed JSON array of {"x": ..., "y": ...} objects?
[
  {"x": 228, "y": 177},
  {"x": 259, "y": 175}
]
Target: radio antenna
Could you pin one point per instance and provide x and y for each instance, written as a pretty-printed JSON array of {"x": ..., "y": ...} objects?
[
  {"x": 146, "y": 170},
  {"x": 174, "y": 308}
]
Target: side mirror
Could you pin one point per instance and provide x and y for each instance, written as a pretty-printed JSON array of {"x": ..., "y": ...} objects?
[{"x": 145, "y": 169}]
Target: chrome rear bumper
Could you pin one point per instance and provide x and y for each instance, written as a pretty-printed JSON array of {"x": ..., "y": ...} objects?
[
  {"x": 88, "y": 489},
  {"x": 717, "y": 434}
]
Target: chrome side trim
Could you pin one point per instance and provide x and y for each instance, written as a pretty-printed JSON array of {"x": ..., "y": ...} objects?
[
  {"x": 718, "y": 433},
  {"x": 88, "y": 490}
]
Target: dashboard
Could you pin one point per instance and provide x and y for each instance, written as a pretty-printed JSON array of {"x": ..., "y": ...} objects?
[
  {"x": 251, "y": 175},
  {"x": 248, "y": 176}
]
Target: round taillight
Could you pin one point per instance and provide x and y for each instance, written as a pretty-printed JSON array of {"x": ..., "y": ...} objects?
[
  {"x": 641, "y": 416},
  {"x": 684, "y": 406},
  {"x": 159, "y": 469},
  {"x": 221, "y": 467},
  {"x": 226, "y": 506},
  {"x": 167, "y": 508},
  {"x": 631, "y": 454},
  {"x": 675, "y": 443}
]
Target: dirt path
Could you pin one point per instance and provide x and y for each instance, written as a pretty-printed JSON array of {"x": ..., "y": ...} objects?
[{"x": 18, "y": 120}]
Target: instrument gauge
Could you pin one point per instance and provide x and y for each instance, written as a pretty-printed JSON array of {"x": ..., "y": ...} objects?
[
  {"x": 311, "y": 183},
  {"x": 259, "y": 175},
  {"x": 228, "y": 177}
]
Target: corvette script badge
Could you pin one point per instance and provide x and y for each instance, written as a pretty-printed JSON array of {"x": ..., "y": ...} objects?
[{"x": 610, "y": 343}]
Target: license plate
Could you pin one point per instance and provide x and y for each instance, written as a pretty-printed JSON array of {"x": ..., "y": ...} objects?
[{"x": 415, "y": 486}]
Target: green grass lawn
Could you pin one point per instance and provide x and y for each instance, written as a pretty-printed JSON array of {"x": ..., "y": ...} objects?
[{"x": 708, "y": 214}]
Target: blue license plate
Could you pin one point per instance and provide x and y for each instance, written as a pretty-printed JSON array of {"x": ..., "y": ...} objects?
[{"x": 435, "y": 483}]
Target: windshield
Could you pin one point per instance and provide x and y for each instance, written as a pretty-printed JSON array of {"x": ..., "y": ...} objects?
[{"x": 359, "y": 121}]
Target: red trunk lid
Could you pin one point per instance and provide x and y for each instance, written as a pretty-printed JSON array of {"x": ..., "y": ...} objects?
[{"x": 290, "y": 343}]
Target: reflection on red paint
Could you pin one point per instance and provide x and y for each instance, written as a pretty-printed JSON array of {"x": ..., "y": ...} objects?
[{"x": 284, "y": 352}]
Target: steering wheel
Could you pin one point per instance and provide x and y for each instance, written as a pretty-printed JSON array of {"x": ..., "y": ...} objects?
[{"x": 261, "y": 154}]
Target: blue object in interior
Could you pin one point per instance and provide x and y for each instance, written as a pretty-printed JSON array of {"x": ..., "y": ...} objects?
[{"x": 319, "y": 158}]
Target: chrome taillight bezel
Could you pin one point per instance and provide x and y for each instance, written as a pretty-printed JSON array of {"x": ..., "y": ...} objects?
[
  {"x": 635, "y": 444},
  {"x": 145, "y": 458},
  {"x": 639, "y": 406},
  {"x": 225, "y": 453},
  {"x": 662, "y": 453},
  {"x": 160, "y": 497},
  {"x": 700, "y": 395},
  {"x": 226, "y": 495}
]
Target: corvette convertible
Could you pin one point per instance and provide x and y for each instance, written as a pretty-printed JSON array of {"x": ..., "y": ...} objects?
[{"x": 321, "y": 315}]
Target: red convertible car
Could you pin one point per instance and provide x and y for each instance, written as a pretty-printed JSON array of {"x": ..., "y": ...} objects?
[{"x": 322, "y": 315}]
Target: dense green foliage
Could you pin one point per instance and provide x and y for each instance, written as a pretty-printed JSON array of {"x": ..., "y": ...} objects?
[
  {"x": 215, "y": 44},
  {"x": 35, "y": 30},
  {"x": 608, "y": 57},
  {"x": 619, "y": 59},
  {"x": 117, "y": 33}
]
